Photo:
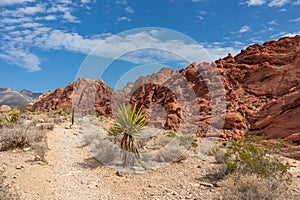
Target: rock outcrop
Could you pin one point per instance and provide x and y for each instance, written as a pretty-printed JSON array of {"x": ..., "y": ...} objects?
[
  {"x": 261, "y": 83},
  {"x": 260, "y": 88},
  {"x": 84, "y": 95}
]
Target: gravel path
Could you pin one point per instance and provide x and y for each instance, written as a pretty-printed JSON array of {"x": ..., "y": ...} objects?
[
  {"x": 72, "y": 173},
  {"x": 71, "y": 176}
]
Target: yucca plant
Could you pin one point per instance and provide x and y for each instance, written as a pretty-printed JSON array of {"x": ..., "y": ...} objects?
[
  {"x": 129, "y": 123},
  {"x": 12, "y": 117}
]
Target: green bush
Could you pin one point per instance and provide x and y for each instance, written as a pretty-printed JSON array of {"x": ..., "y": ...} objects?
[
  {"x": 245, "y": 158},
  {"x": 250, "y": 173}
]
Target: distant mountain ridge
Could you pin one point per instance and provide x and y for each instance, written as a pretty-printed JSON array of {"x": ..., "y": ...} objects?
[{"x": 12, "y": 98}]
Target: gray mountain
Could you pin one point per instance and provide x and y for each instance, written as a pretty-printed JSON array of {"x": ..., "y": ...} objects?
[{"x": 11, "y": 97}]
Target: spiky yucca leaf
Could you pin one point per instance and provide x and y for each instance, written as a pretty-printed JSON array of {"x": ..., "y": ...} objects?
[
  {"x": 129, "y": 119},
  {"x": 129, "y": 122}
]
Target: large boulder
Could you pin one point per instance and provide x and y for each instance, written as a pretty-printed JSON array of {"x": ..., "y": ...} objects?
[{"x": 5, "y": 108}]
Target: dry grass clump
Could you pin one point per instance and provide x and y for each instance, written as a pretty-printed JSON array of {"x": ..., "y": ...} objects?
[
  {"x": 25, "y": 130},
  {"x": 252, "y": 187},
  {"x": 18, "y": 135}
]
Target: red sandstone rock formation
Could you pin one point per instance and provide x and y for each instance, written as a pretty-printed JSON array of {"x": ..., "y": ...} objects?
[
  {"x": 261, "y": 84},
  {"x": 84, "y": 95}
]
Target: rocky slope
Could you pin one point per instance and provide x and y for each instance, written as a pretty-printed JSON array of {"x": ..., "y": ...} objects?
[
  {"x": 85, "y": 95},
  {"x": 11, "y": 97},
  {"x": 261, "y": 89},
  {"x": 261, "y": 85}
]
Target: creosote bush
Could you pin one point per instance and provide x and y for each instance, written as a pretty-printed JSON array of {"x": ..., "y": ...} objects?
[
  {"x": 251, "y": 173},
  {"x": 245, "y": 158}
]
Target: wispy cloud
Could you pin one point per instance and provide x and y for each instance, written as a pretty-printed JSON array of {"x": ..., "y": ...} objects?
[
  {"x": 200, "y": 15},
  {"x": 244, "y": 29},
  {"x": 273, "y": 22},
  {"x": 12, "y": 2},
  {"x": 285, "y": 34},
  {"x": 26, "y": 24},
  {"x": 129, "y": 9},
  {"x": 123, "y": 18},
  {"x": 272, "y": 3},
  {"x": 255, "y": 2},
  {"x": 278, "y": 3},
  {"x": 295, "y": 20}
]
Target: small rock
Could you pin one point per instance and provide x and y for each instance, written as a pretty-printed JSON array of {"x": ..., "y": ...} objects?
[
  {"x": 26, "y": 149},
  {"x": 14, "y": 177},
  {"x": 19, "y": 167},
  {"x": 121, "y": 174},
  {"x": 206, "y": 184},
  {"x": 41, "y": 120}
]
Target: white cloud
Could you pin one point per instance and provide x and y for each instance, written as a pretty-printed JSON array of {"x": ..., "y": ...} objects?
[
  {"x": 273, "y": 22},
  {"x": 291, "y": 34},
  {"x": 271, "y": 3},
  {"x": 284, "y": 34},
  {"x": 12, "y": 2},
  {"x": 23, "y": 59},
  {"x": 39, "y": 8},
  {"x": 282, "y": 10},
  {"x": 256, "y": 2},
  {"x": 15, "y": 20},
  {"x": 64, "y": 1},
  {"x": 244, "y": 29},
  {"x": 50, "y": 17},
  {"x": 278, "y": 3},
  {"x": 113, "y": 46},
  {"x": 129, "y": 9},
  {"x": 58, "y": 39},
  {"x": 123, "y": 19},
  {"x": 295, "y": 20},
  {"x": 200, "y": 15},
  {"x": 23, "y": 27}
]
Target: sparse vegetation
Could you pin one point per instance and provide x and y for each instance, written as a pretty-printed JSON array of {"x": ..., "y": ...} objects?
[
  {"x": 11, "y": 117},
  {"x": 250, "y": 172},
  {"x": 129, "y": 123},
  {"x": 252, "y": 187},
  {"x": 25, "y": 131}
]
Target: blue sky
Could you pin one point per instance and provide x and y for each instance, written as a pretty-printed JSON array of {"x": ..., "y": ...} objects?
[{"x": 44, "y": 43}]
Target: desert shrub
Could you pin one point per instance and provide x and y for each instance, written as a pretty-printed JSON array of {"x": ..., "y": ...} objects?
[
  {"x": 45, "y": 126},
  {"x": 187, "y": 140},
  {"x": 17, "y": 135},
  {"x": 250, "y": 172},
  {"x": 252, "y": 187},
  {"x": 245, "y": 158},
  {"x": 12, "y": 117},
  {"x": 13, "y": 136}
]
